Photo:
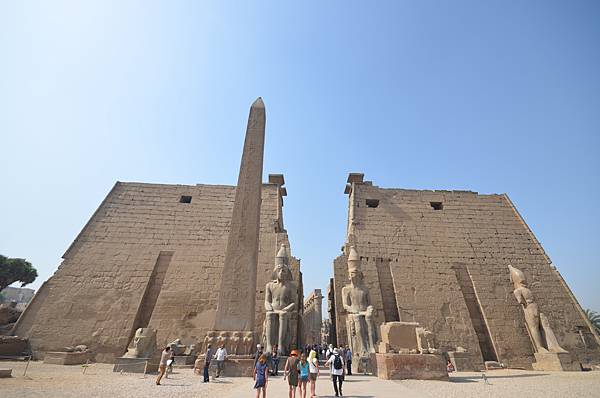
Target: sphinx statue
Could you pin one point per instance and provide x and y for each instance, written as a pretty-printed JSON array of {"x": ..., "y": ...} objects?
[
  {"x": 142, "y": 345},
  {"x": 360, "y": 322},
  {"x": 280, "y": 304},
  {"x": 542, "y": 335},
  {"x": 177, "y": 348}
]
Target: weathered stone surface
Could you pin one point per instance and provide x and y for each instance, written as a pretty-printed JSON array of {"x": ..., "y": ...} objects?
[
  {"x": 361, "y": 327},
  {"x": 236, "y": 304},
  {"x": 67, "y": 358},
  {"x": 555, "y": 361},
  {"x": 13, "y": 346},
  {"x": 464, "y": 361},
  {"x": 234, "y": 366},
  {"x": 538, "y": 326},
  {"x": 411, "y": 366},
  {"x": 5, "y": 373},
  {"x": 143, "y": 344},
  {"x": 446, "y": 269},
  {"x": 312, "y": 318},
  {"x": 152, "y": 255},
  {"x": 280, "y": 305},
  {"x": 399, "y": 335},
  {"x": 135, "y": 365}
]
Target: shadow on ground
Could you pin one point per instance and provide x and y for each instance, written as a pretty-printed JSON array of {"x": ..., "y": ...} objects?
[{"x": 477, "y": 379}]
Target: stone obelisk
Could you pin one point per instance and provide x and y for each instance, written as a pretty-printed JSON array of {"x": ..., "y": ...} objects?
[{"x": 237, "y": 296}]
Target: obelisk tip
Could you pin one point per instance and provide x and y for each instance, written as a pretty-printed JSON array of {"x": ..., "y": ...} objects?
[{"x": 258, "y": 103}]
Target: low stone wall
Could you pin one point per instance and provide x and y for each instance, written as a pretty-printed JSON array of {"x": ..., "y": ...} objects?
[
  {"x": 411, "y": 366},
  {"x": 67, "y": 358},
  {"x": 13, "y": 346}
]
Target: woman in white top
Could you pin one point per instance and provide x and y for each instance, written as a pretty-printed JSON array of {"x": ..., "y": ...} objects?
[{"x": 313, "y": 364}]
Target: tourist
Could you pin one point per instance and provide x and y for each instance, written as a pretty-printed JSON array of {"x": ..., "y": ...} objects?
[
  {"x": 261, "y": 376},
  {"x": 275, "y": 361},
  {"x": 220, "y": 357},
  {"x": 207, "y": 359},
  {"x": 348, "y": 358},
  {"x": 291, "y": 372},
  {"x": 449, "y": 366},
  {"x": 329, "y": 351},
  {"x": 303, "y": 367},
  {"x": 162, "y": 367},
  {"x": 170, "y": 363},
  {"x": 336, "y": 363},
  {"x": 258, "y": 353},
  {"x": 313, "y": 363}
]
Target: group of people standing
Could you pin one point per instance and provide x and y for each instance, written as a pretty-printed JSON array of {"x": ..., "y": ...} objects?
[{"x": 301, "y": 367}]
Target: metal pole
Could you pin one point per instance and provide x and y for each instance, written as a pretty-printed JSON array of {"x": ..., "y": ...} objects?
[{"x": 27, "y": 365}]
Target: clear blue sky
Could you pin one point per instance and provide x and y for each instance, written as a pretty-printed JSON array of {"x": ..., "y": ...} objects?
[{"x": 490, "y": 96}]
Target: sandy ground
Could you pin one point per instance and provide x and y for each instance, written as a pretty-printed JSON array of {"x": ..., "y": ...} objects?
[{"x": 55, "y": 381}]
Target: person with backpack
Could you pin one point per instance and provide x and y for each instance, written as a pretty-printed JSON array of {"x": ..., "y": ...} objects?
[
  {"x": 291, "y": 373},
  {"x": 336, "y": 363}
]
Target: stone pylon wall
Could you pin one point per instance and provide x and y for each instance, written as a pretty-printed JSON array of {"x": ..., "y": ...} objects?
[
  {"x": 139, "y": 240},
  {"x": 449, "y": 271}
]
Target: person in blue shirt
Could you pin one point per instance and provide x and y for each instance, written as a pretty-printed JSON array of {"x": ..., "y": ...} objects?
[{"x": 261, "y": 376}]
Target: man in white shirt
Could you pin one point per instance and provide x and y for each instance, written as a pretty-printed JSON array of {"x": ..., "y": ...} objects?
[
  {"x": 336, "y": 363},
  {"x": 220, "y": 357}
]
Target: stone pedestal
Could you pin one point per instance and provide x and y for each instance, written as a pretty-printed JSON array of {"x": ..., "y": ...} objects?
[
  {"x": 13, "y": 346},
  {"x": 236, "y": 366},
  {"x": 464, "y": 362},
  {"x": 184, "y": 361},
  {"x": 5, "y": 372},
  {"x": 67, "y": 358},
  {"x": 135, "y": 365},
  {"x": 365, "y": 364},
  {"x": 396, "y": 336},
  {"x": 411, "y": 366},
  {"x": 555, "y": 361}
]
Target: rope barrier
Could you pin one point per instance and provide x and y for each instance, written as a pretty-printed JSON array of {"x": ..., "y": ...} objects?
[
  {"x": 18, "y": 358},
  {"x": 122, "y": 367}
]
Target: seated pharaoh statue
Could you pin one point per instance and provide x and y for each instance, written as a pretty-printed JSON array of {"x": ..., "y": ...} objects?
[
  {"x": 280, "y": 303},
  {"x": 360, "y": 323},
  {"x": 542, "y": 336}
]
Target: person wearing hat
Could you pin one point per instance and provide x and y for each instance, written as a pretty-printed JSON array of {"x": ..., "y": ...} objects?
[
  {"x": 336, "y": 363},
  {"x": 291, "y": 373}
]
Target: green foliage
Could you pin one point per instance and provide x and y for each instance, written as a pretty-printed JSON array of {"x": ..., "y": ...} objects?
[
  {"x": 15, "y": 270},
  {"x": 594, "y": 318}
]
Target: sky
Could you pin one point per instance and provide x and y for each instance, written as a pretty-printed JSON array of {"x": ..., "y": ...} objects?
[{"x": 488, "y": 96}]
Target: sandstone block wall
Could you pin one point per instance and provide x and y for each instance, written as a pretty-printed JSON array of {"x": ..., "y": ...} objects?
[
  {"x": 145, "y": 257},
  {"x": 448, "y": 271},
  {"x": 313, "y": 317}
]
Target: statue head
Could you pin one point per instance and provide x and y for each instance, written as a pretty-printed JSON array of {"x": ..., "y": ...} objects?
[
  {"x": 144, "y": 341},
  {"x": 517, "y": 277},
  {"x": 237, "y": 334},
  {"x": 282, "y": 269},
  {"x": 354, "y": 271}
]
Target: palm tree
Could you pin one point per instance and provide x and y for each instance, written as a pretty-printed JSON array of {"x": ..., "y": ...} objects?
[{"x": 594, "y": 318}]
